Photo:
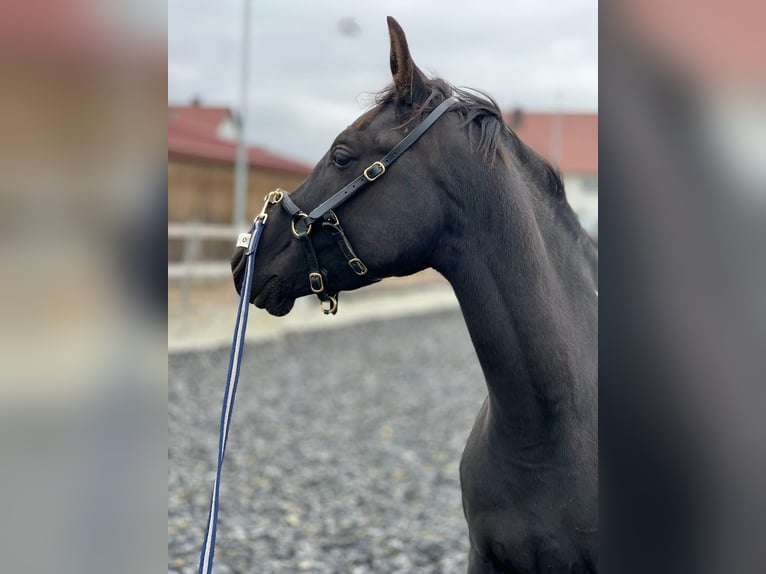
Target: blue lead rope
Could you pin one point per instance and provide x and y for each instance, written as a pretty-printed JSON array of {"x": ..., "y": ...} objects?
[{"x": 232, "y": 377}]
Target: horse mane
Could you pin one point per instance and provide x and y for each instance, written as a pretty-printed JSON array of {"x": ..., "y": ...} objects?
[{"x": 487, "y": 130}]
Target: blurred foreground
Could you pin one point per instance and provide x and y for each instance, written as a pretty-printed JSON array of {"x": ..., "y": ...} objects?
[
  {"x": 82, "y": 287},
  {"x": 683, "y": 294}
]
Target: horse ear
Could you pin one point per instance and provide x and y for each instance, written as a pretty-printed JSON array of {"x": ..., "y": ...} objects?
[{"x": 409, "y": 81}]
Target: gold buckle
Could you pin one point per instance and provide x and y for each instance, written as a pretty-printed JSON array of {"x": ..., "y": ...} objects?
[
  {"x": 382, "y": 171},
  {"x": 321, "y": 283},
  {"x": 362, "y": 266},
  {"x": 332, "y": 309},
  {"x": 292, "y": 225}
]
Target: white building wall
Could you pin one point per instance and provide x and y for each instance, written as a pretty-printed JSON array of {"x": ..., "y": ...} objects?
[
  {"x": 227, "y": 130},
  {"x": 582, "y": 194}
]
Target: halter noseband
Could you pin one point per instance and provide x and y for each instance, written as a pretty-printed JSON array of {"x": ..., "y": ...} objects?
[{"x": 301, "y": 222}]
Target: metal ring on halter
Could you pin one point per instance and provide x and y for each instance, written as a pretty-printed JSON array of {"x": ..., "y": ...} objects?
[
  {"x": 292, "y": 226},
  {"x": 275, "y": 196},
  {"x": 271, "y": 198},
  {"x": 332, "y": 309}
]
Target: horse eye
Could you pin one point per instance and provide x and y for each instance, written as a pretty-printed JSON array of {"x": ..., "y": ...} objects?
[{"x": 341, "y": 159}]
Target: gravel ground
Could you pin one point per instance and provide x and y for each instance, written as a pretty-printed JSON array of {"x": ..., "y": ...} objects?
[{"x": 343, "y": 454}]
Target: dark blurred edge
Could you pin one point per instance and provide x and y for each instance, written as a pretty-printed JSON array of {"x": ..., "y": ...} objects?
[{"x": 681, "y": 347}]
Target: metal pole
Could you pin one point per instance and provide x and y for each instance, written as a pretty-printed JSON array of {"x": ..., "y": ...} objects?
[{"x": 241, "y": 166}]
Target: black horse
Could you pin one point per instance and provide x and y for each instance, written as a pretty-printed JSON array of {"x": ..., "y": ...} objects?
[{"x": 472, "y": 201}]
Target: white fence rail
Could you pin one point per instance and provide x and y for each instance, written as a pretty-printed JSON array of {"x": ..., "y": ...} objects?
[
  {"x": 201, "y": 231},
  {"x": 206, "y": 271},
  {"x": 192, "y": 235},
  {"x": 190, "y": 268}
]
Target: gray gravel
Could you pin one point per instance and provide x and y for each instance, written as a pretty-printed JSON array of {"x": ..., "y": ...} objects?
[{"x": 343, "y": 454}]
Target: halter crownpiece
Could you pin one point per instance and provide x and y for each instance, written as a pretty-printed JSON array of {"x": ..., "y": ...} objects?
[{"x": 301, "y": 223}]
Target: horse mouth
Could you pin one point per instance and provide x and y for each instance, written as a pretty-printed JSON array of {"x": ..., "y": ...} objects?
[{"x": 274, "y": 297}]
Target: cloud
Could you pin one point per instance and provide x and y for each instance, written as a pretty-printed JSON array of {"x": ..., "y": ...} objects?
[{"x": 308, "y": 78}]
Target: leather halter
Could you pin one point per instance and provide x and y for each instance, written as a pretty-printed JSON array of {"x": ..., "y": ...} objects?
[{"x": 302, "y": 222}]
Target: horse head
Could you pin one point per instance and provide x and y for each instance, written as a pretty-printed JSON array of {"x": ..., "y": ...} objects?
[{"x": 394, "y": 224}]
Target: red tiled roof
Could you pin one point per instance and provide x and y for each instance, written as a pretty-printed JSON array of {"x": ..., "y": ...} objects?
[
  {"x": 193, "y": 142},
  {"x": 568, "y": 141},
  {"x": 206, "y": 118}
]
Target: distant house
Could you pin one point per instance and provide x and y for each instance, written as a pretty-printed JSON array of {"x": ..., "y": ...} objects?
[
  {"x": 570, "y": 142},
  {"x": 217, "y": 121},
  {"x": 201, "y": 157}
]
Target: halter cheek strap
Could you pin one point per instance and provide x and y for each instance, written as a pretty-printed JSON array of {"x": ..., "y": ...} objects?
[
  {"x": 378, "y": 168},
  {"x": 302, "y": 223}
]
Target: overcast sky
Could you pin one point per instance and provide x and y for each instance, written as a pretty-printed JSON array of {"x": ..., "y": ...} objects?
[{"x": 314, "y": 64}]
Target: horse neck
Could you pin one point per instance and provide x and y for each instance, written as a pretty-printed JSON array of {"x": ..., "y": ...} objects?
[{"x": 526, "y": 287}]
